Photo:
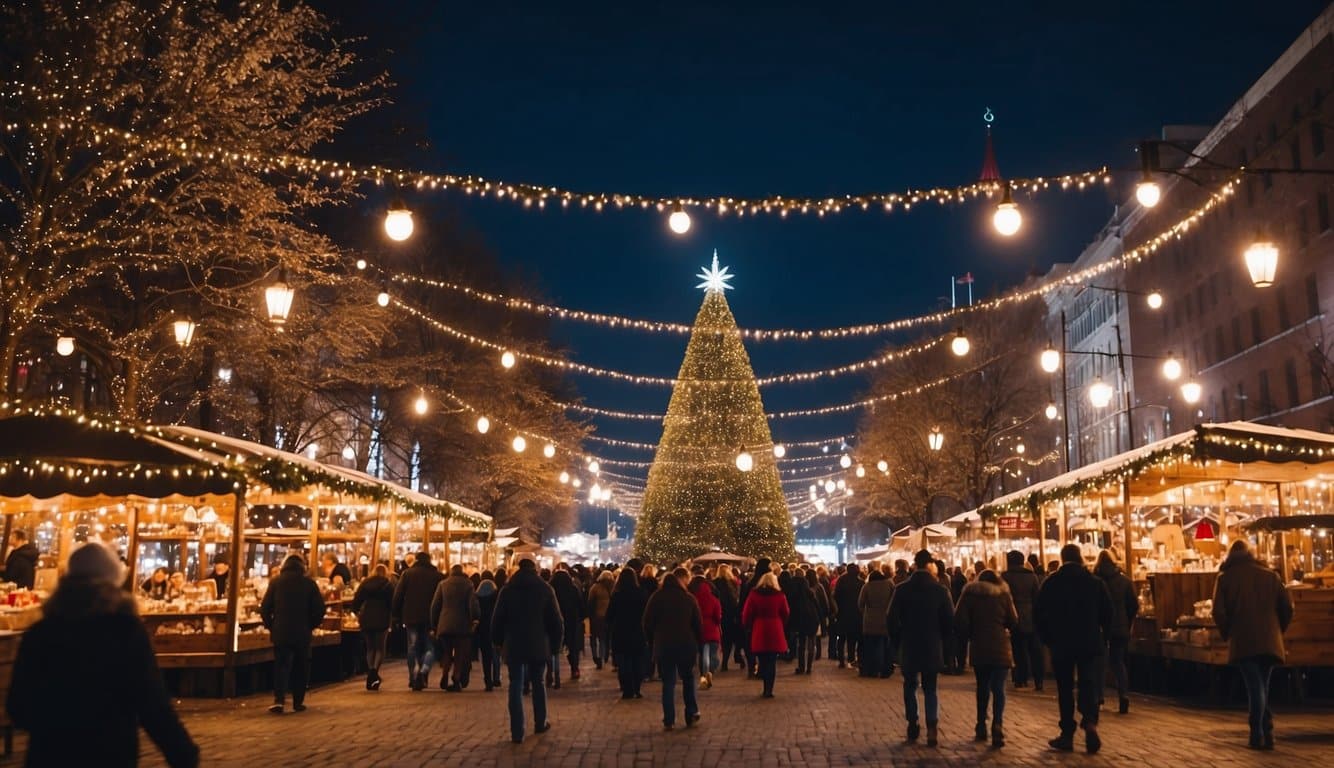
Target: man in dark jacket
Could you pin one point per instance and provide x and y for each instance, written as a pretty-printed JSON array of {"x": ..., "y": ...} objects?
[
  {"x": 847, "y": 591},
  {"x": 1073, "y": 613},
  {"x": 1024, "y": 643},
  {"x": 672, "y": 621},
  {"x": 527, "y": 626},
  {"x": 1125, "y": 605},
  {"x": 21, "y": 565},
  {"x": 570, "y": 601},
  {"x": 412, "y": 609},
  {"x": 921, "y": 616},
  {"x": 454, "y": 616},
  {"x": 292, "y": 608},
  {"x": 86, "y": 678}
]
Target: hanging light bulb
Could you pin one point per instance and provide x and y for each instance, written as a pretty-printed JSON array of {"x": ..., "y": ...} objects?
[
  {"x": 349, "y": 453},
  {"x": 564, "y": 477},
  {"x": 1051, "y": 412},
  {"x": 507, "y": 360},
  {"x": 960, "y": 345},
  {"x": 841, "y": 484},
  {"x": 1191, "y": 391},
  {"x": 1019, "y": 449},
  {"x": 398, "y": 221},
  {"x": 1050, "y": 359},
  {"x": 744, "y": 461},
  {"x": 595, "y": 494},
  {"x": 1147, "y": 191},
  {"x": 845, "y": 461},
  {"x": 1171, "y": 367},
  {"x": 361, "y": 264},
  {"x": 1007, "y": 218},
  {"x": 382, "y": 298},
  {"x": 883, "y": 466},
  {"x": 576, "y": 482},
  {"x": 861, "y": 471},
  {"x": 830, "y": 486},
  {"x": 779, "y": 450},
  {"x": 421, "y": 405},
  {"x": 594, "y": 467},
  {"x": 679, "y": 221},
  {"x": 1100, "y": 393},
  {"x": 1262, "y": 261},
  {"x": 606, "y": 493},
  {"x": 814, "y": 490},
  {"x": 548, "y": 450},
  {"x": 1154, "y": 300},
  {"x": 483, "y": 424},
  {"x": 519, "y": 444}
]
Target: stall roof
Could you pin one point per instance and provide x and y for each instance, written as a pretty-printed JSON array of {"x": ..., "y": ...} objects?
[{"x": 1236, "y": 450}]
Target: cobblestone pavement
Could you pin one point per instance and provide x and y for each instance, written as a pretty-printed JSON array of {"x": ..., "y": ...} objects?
[{"x": 829, "y": 718}]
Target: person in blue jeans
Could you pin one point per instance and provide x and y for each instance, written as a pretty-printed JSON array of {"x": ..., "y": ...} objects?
[
  {"x": 527, "y": 625},
  {"x": 673, "y": 623},
  {"x": 984, "y": 619},
  {"x": 1252, "y": 610},
  {"x": 921, "y": 616}
]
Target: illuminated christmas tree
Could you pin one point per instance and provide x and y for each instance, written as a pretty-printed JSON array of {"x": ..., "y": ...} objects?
[{"x": 698, "y": 496}]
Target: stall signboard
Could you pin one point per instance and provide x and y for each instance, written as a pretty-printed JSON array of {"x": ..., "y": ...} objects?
[{"x": 1017, "y": 527}]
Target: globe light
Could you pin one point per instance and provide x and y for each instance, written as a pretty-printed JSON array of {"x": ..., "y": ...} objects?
[
  {"x": 606, "y": 494},
  {"x": 1019, "y": 449},
  {"x": 422, "y": 405},
  {"x": 65, "y": 346},
  {"x": 312, "y": 450},
  {"x": 349, "y": 453},
  {"x": 483, "y": 424},
  {"x": 383, "y": 297},
  {"x": 361, "y": 264},
  {"x": 744, "y": 461},
  {"x": 595, "y": 494},
  {"x": 507, "y": 360},
  {"x": 549, "y": 450},
  {"x": 1007, "y": 218},
  {"x": 564, "y": 478},
  {"x": 679, "y": 221},
  {"x": 841, "y": 484},
  {"x": 779, "y": 450},
  {"x": 1154, "y": 300},
  {"x": 576, "y": 482},
  {"x": 278, "y": 300},
  {"x": 845, "y": 461},
  {"x": 1191, "y": 391},
  {"x": 861, "y": 471},
  {"x": 1262, "y": 262},
  {"x": 519, "y": 444},
  {"x": 225, "y": 375},
  {"x": 935, "y": 440},
  {"x": 830, "y": 486},
  {"x": 1171, "y": 367},
  {"x": 398, "y": 221},
  {"x": 960, "y": 345},
  {"x": 184, "y": 331},
  {"x": 847, "y": 491},
  {"x": 1050, "y": 359},
  {"x": 1051, "y": 412},
  {"x": 594, "y": 467},
  {"x": 1100, "y": 393},
  {"x": 883, "y": 466},
  {"x": 1148, "y": 193}
]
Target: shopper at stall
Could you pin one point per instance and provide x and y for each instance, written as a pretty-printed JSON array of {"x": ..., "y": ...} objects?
[
  {"x": 764, "y": 615},
  {"x": 1073, "y": 613},
  {"x": 527, "y": 626},
  {"x": 1252, "y": 610},
  {"x": 176, "y": 586},
  {"x": 155, "y": 586},
  {"x": 1024, "y": 643},
  {"x": 372, "y": 604},
  {"x": 292, "y": 609},
  {"x": 1125, "y": 605},
  {"x": 673, "y": 624},
  {"x": 412, "y": 609},
  {"x": 86, "y": 678},
  {"x": 21, "y": 564},
  {"x": 921, "y": 616},
  {"x": 221, "y": 573},
  {"x": 985, "y": 617},
  {"x": 454, "y": 616}
]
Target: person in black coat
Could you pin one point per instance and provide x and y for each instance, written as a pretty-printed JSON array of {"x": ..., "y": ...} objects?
[
  {"x": 1073, "y": 614},
  {"x": 571, "y": 602},
  {"x": 486, "y": 605},
  {"x": 412, "y": 609},
  {"x": 726, "y": 588},
  {"x": 86, "y": 678},
  {"x": 625, "y": 628},
  {"x": 291, "y": 609},
  {"x": 921, "y": 617},
  {"x": 847, "y": 590},
  {"x": 21, "y": 564},
  {"x": 804, "y": 621},
  {"x": 373, "y": 603},
  {"x": 527, "y": 626},
  {"x": 672, "y": 620}
]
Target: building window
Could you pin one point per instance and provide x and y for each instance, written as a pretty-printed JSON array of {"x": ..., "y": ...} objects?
[
  {"x": 1273, "y": 133},
  {"x": 1267, "y": 179},
  {"x": 1312, "y": 296},
  {"x": 1218, "y": 342},
  {"x": 1241, "y": 401},
  {"x": 1284, "y": 317},
  {"x": 1303, "y": 237},
  {"x": 1319, "y": 369},
  {"x": 1290, "y": 374},
  {"x": 1295, "y": 150},
  {"x": 1317, "y": 138},
  {"x": 1236, "y": 335},
  {"x": 1266, "y": 404},
  {"x": 1227, "y": 405},
  {"x": 1257, "y": 329},
  {"x": 1322, "y": 211}
]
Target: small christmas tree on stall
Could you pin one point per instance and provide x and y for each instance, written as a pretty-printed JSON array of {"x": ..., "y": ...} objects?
[{"x": 698, "y": 497}]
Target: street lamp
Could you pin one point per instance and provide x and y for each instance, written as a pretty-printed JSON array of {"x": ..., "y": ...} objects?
[
  {"x": 1050, "y": 359},
  {"x": 1262, "y": 262},
  {"x": 1171, "y": 367},
  {"x": 398, "y": 221},
  {"x": 1051, "y": 412},
  {"x": 184, "y": 331},
  {"x": 744, "y": 461},
  {"x": 278, "y": 300},
  {"x": 960, "y": 345},
  {"x": 1100, "y": 393},
  {"x": 1007, "y": 218},
  {"x": 421, "y": 405},
  {"x": 1191, "y": 391},
  {"x": 65, "y": 346},
  {"x": 679, "y": 221},
  {"x": 935, "y": 440},
  {"x": 1154, "y": 299}
]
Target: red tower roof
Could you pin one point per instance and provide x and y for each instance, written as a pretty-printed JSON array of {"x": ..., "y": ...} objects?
[{"x": 990, "y": 171}]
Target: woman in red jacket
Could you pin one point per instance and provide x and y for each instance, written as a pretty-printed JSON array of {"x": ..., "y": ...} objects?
[
  {"x": 765, "y": 618},
  {"x": 711, "y": 631}
]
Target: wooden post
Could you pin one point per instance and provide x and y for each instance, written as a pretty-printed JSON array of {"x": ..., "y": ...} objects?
[
  {"x": 234, "y": 578},
  {"x": 314, "y": 534},
  {"x": 1129, "y": 532},
  {"x": 1282, "y": 536},
  {"x": 393, "y": 535},
  {"x": 132, "y": 543},
  {"x": 375, "y": 537},
  {"x": 1040, "y": 515},
  {"x": 447, "y": 545}
]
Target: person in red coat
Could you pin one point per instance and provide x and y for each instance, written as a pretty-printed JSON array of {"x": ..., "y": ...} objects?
[
  {"x": 765, "y": 617},
  {"x": 711, "y": 633}
]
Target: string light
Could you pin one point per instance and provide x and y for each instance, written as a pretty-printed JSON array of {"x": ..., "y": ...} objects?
[
  {"x": 519, "y": 444},
  {"x": 549, "y": 450},
  {"x": 507, "y": 360},
  {"x": 779, "y": 451},
  {"x": 483, "y": 424},
  {"x": 679, "y": 221},
  {"x": 398, "y": 221}
]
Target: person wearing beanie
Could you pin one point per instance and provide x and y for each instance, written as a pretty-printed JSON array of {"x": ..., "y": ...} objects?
[
  {"x": 921, "y": 616},
  {"x": 1073, "y": 614},
  {"x": 1024, "y": 644},
  {"x": 86, "y": 678},
  {"x": 527, "y": 625},
  {"x": 291, "y": 610}
]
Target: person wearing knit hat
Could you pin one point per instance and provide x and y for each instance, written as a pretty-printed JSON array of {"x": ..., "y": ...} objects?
[
  {"x": 85, "y": 679},
  {"x": 291, "y": 610}
]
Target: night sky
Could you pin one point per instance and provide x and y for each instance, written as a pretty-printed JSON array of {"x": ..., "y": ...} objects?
[{"x": 798, "y": 99}]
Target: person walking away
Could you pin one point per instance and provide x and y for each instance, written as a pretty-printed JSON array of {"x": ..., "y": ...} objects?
[
  {"x": 599, "y": 597},
  {"x": 412, "y": 609},
  {"x": 762, "y": 566},
  {"x": 571, "y": 603},
  {"x": 804, "y": 622},
  {"x": 921, "y": 616},
  {"x": 454, "y": 616},
  {"x": 1073, "y": 613},
  {"x": 711, "y": 628},
  {"x": 292, "y": 608},
  {"x": 873, "y": 604},
  {"x": 21, "y": 564},
  {"x": 985, "y": 617},
  {"x": 486, "y": 607},
  {"x": 625, "y": 626},
  {"x": 956, "y": 648},
  {"x": 1252, "y": 610},
  {"x": 764, "y": 616},
  {"x": 1024, "y": 643},
  {"x": 86, "y": 679},
  {"x": 847, "y": 593},
  {"x": 673, "y": 623},
  {"x": 1125, "y": 605},
  {"x": 821, "y": 595},
  {"x": 372, "y": 604},
  {"x": 725, "y": 589},
  {"x": 527, "y": 626}
]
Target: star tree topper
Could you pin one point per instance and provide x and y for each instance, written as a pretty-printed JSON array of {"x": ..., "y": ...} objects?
[{"x": 715, "y": 279}]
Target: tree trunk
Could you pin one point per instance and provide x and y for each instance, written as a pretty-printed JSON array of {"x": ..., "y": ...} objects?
[{"x": 10, "y": 353}]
